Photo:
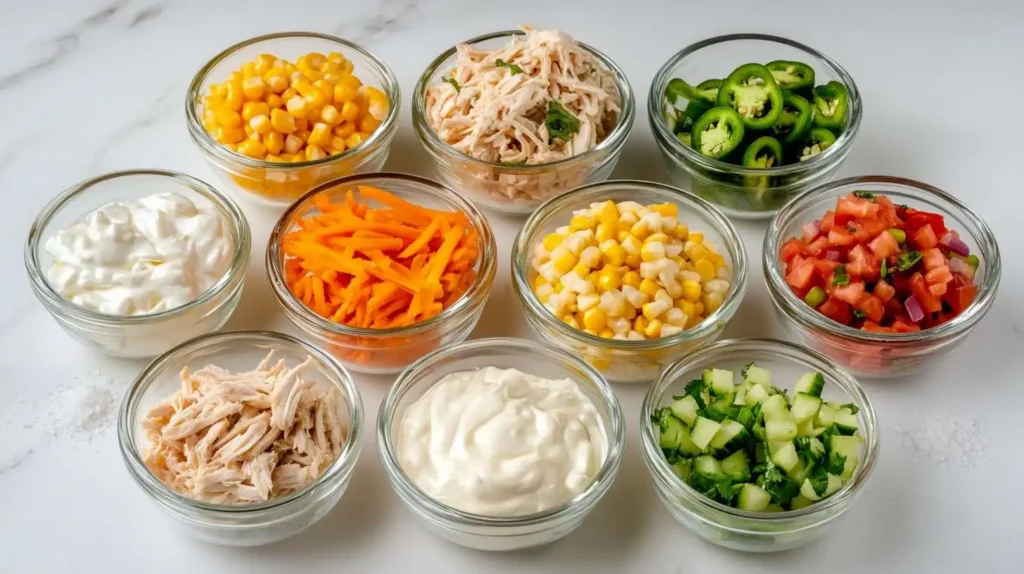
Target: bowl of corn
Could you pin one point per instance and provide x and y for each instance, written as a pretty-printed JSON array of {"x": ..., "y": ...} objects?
[
  {"x": 277, "y": 115},
  {"x": 630, "y": 274}
]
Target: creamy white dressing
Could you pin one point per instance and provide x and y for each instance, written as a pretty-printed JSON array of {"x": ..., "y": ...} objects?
[
  {"x": 148, "y": 255},
  {"x": 500, "y": 442}
]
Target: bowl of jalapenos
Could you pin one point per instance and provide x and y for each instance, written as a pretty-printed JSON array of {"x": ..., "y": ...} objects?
[{"x": 748, "y": 121}]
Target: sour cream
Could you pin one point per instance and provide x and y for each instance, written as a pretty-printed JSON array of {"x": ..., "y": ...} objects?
[
  {"x": 500, "y": 442},
  {"x": 138, "y": 257}
]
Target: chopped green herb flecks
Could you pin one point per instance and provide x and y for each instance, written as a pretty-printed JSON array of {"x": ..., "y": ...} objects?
[
  {"x": 514, "y": 69},
  {"x": 839, "y": 277},
  {"x": 560, "y": 122}
]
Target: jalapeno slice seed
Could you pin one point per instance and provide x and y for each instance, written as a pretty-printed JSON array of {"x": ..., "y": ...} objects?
[
  {"x": 791, "y": 75},
  {"x": 751, "y": 90},
  {"x": 796, "y": 120},
  {"x": 718, "y": 132},
  {"x": 820, "y": 140},
  {"x": 764, "y": 152},
  {"x": 830, "y": 103},
  {"x": 678, "y": 88}
]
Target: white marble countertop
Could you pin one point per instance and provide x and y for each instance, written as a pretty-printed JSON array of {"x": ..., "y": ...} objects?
[{"x": 98, "y": 85}]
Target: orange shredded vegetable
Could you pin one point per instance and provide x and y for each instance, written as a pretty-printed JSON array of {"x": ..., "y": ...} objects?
[{"x": 379, "y": 267}]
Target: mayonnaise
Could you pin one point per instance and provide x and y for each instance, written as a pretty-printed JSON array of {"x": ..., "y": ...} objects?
[
  {"x": 500, "y": 442},
  {"x": 138, "y": 257}
]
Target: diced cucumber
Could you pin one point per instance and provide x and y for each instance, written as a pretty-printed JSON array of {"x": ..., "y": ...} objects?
[
  {"x": 807, "y": 491},
  {"x": 736, "y": 466},
  {"x": 816, "y": 446},
  {"x": 784, "y": 456},
  {"x": 741, "y": 396},
  {"x": 759, "y": 376},
  {"x": 686, "y": 447},
  {"x": 774, "y": 407},
  {"x": 848, "y": 446},
  {"x": 731, "y": 436},
  {"x": 805, "y": 406},
  {"x": 753, "y": 498},
  {"x": 723, "y": 402},
  {"x": 810, "y": 383},
  {"x": 800, "y": 502},
  {"x": 780, "y": 428},
  {"x": 755, "y": 394},
  {"x": 719, "y": 381},
  {"x": 834, "y": 484},
  {"x": 825, "y": 417},
  {"x": 846, "y": 421},
  {"x": 798, "y": 473},
  {"x": 683, "y": 468},
  {"x": 672, "y": 430},
  {"x": 686, "y": 409},
  {"x": 708, "y": 467},
  {"x": 805, "y": 428},
  {"x": 703, "y": 431}
]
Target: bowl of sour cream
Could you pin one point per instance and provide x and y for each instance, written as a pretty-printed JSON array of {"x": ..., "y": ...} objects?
[
  {"x": 501, "y": 444},
  {"x": 133, "y": 263}
]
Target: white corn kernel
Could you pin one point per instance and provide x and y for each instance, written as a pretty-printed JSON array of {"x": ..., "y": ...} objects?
[
  {"x": 628, "y": 217},
  {"x": 629, "y": 207},
  {"x": 634, "y": 336},
  {"x": 690, "y": 276},
  {"x": 544, "y": 291},
  {"x": 673, "y": 250},
  {"x": 619, "y": 325},
  {"x": 632, "y": 245},
  {"x": 674, "y": 288},
  {"x": 648, "y": 270},
  {"x": 587, "y": 301},
  {"x": 662, "y": 295},
  {"x": 547, "y": 271},
  {"x": 591, "y": 256},
  {"x": 668, "y": 223},
  {"x": 636, "y": 297},
  {"x": 716, "y": 286},
  {"x": 655, "y": 308},
  {"x": 667, "y": 329},
  {"x": 675, "y": 316},
  {"x": 577, "y": 284},
  {"x": 563, "y": 230}
]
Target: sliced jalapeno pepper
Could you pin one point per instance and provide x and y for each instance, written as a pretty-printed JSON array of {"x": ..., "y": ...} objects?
[
  {"x": 710, "y": 89},
  {"x": 718, "y": 132},
  {"x": 764, "y": 152},
  {"x": 792, "y": 75},
  {"x": 678, "y": 88},
  {"x": 796, "y": 120},
  {"x": 696, "y": 108},
  {"x": 684, "y": 138},
  {"x": 820, "y": 140},
  {"x": 830, "y": 103},
  {"x": 751, "y": 90}
]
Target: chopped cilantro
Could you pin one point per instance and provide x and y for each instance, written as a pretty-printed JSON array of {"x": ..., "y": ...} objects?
[
  {"x": 907, "y": 260},
  {"x": 455, "y": 84},
  {"x": 864, "y": 194},
  {"x": 560, "y": 123},
  {"x": 839, "y": 276},
  {"x": 885, "y": 270},
  {"x": 835, "y": 464},
  {"x": 851, "y": 229},
  {"x": 858, "y": 314},
  {"x": 695, "y": 389},
  {"x": 514, "y": 69}
]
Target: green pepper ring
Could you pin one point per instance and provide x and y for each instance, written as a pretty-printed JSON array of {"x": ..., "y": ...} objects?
[
  {"x": 764, "y": 145},
  {"x": 821, "y": 137},
  {"x": 724, "y": 117},
  {"x": 678, "y": 88},
  {"x": 824, "y": 95},
  {"x": 802, "y": 71},
  {"x": 799, "y": 124},
  {"x": 737, "y": 80}
]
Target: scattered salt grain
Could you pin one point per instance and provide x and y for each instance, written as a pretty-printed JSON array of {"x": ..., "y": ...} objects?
[{"x": 942, "y": 439}]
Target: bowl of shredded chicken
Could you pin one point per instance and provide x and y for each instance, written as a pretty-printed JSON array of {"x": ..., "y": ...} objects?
[
  {"x": 514, "y": 118},
  {"x": 246, "y": 437}
]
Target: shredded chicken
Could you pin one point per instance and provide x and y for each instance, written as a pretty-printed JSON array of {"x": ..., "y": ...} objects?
[
  {"x": 237, "y": 438},
  {"x": 495, "y": 104}
]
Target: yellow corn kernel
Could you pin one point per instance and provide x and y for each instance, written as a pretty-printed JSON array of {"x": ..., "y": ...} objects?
[
  {"x": 538, "y": 281},
  {"x": 249, "y": 130},
  {"x": 605, "y": 333},
  {"x": 681, "y": 232},
  {"x": 249, "y": 69},
  {"x": 631, "y": 278},
  {"x": 320, "y": 135},
  {"x": 614, "y": 254},
  {"x": 343, "y": 93},
  {"x": 604, "y": 232},
  {"x": 696, "y": 237},
  {"x": 559, "y": 287},
  {"x": 581, "y": 269},
  {"x": 695, "y": 250},
  {"x": 314, "y": 152},
  {"x": 253, "y": 87},
  {"x": 665, "y": 209},
  {"x": 629, "y": 312},
  {"x": 344, "y": 129},
  {"x": 228, "y": 118},
  {"x": 595, "y": 319},
  {"x": 303, "y": 86},
  {"x": 301, "y": 124},
  {"x": 368, "y": 124},
  {"x": 608, "y": 279},
  {"x": 705, "y": 268},
  {"x": 698, "y": 309},
  {"x": 274, "y": 142},
  {"x": 274, "y": 101},
  {"x": 563, "y": 262},
  {"x": 581, "y": 223},
  {"x": 658, "y": 237},
  {"x": 356, "y": 139},
  {"x": 219, "y": 90},
  {"x": 653, "y": 328},
  {"x": 336, "y": 57},
  {"x": 348, "y": 79},
  {"x": 283, "y": 122},
  {"x": 551, "y": 240},
  {"x": 302, "y": 134},
  {"x": 349, "y": 111},
  {"x": 276, "y": 81},
  {"x": 717, "y": 259},
  {"x": 640, "y": 230},
  {"x": 373, "y": 93},
  {"x": 687, "y": 307},
  {"x": 292, "y": 144},
  {"x": 289, "y": 94},
  {"x": 252, "y": 148},
  {"x": 261, "y": 124},
  {"x": 234, "y": 98},
  {"x": 338, "y": 144},
  {"x": 226, "y": 135},
  {"x": 378, "y": 109},
  {"x": 326, "y": 87},
  {"x": 253, "y": 109},
  {"x": 608, "y": 213},
  {"x": 639, "y": 323},
  {"x": 691, "y": 290},
  {"x": 330, "y": 115},
  {"x": 570, "y": 320},
  {"x": 633, "y": 260},
  {"x": 317, "y": 99},
  {"x": 649, "y": 287},
  {"x": 653, "y": 251},
  {"x": 631, "y": 244}
]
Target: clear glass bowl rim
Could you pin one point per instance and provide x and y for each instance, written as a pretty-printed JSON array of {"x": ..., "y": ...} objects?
[
  {"x": 664, "y": 136},
  {"x": 522, "y": 246},
  {"x": 210, "y": 146},
  {"x": 705, "y": 356},
  {"x": 233, "y": 215},
  {"x": 797, "y": 310},
  {"x": 141, "y": 384},
  {"x": 469, "y": 299},
  {"x": 583, "y": 500},
  {"x": 435, "y": 144}
]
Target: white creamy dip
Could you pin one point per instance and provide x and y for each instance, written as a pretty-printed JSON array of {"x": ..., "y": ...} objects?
[
  {"x": 500, "y": 442},
  {"x": 138, "y": 257}
]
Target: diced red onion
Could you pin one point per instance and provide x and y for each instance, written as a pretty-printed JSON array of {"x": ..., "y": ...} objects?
[
  {"x": 958, "y": 265},
  {"x": 811, "y": 230},
  {"x": 959, "y": 247},
  {"x": 832, "y": 255},
  {"x": 914, "y": 310}
]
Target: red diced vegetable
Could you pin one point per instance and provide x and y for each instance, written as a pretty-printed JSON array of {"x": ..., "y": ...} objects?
[
  {"x": 901, "y": 326},
  {"x": 937, "y": 289},
  {"x": 824, "y": 267},
  {"x": 857, "y": 207},
  {"x": 938, "y": 275},
  {"x": 924, "y": 238},
  {"x": 801, "y": 274},
  {"x": 863, "y": 263},
  {"x": 849, "y": 294},
  {"x": 884, "y": 245},
  {"x": 817, "y": 246},
  {"x": 883, "y": 290},
  {"x": 840, "y": 237},
  {"x": 933, "y": 258},
  {"x": 917, "y": 219},
  {"x": 810, "y": 231},
  {"x": 791, "y": 248},
  {"x": 927, "y": 301},
  {"x": 836, "y": 310},
  {"x": 872, "y": 307},
  {"x": 875, "y": 327},
  {"x": 961, "y": 293},
  {"x": 828, "y": 222}
]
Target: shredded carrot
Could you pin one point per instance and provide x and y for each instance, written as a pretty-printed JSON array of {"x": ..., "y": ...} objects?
[{"x": 374, "y": 260}]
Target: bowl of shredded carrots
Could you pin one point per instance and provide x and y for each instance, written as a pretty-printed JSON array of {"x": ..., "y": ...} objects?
[{"x": 382, "y": 268}]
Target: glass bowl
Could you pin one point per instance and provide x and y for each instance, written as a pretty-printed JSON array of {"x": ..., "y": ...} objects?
[
  {"x": 869, "y": 353},
  {"x": 731, "y": 527},
  {"x": 628, "y": 361},
  {"x": 139, "y": 336},
  {"x": 746, "y": 193},
  {"x": 517, "y": 190},
  {"x": 247, "y": 524},
  {"x": 277, "y": 183},
  {"x": 488, "y": 532},
  {"x": 383, "y": 351}
]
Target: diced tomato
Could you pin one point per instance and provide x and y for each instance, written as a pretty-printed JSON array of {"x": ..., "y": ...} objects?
[
  {"x": 938, "y": 276},
  {"x": 887, "y": 212},
  {"x": 836, "y": 310},
  {"x": 933, "y": 258},
  {"x": 860, "y": 235},
  {"x": 937, "y": 289},
  {"x": 857, "y": 207},
  {"x": 917, "y": 219},
  {"x": 961, "y": 293},
  {"x": 874, "y": 227},
  {"x": 919, "y": 287},
  {"x": 840, "y": 237},
  {"x": 899, "y": 325},
  {"x": 824, "y": 267},
  {"x": 801, "y": 274},
  {"x": 817, "y": 246},
  {"x": 791, "y": 248},
  {"x": 810, "y": 231},
  {"x": 884, "y": 291},
  {"x": 925, "y": 238},
  {"x": 872, "y": 307},
  {"x": 850, "y": 293},
  {"x": 875, "y": 327},
  {"x": 884, "y": 245},
  {"x": 863, "y": 263},
  {"x": 828, "y": 222}
]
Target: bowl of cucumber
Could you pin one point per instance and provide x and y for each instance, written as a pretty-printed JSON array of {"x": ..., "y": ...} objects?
[
  {"x": 747, "y": 121},
  {"x": 745, "y": 463}
]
